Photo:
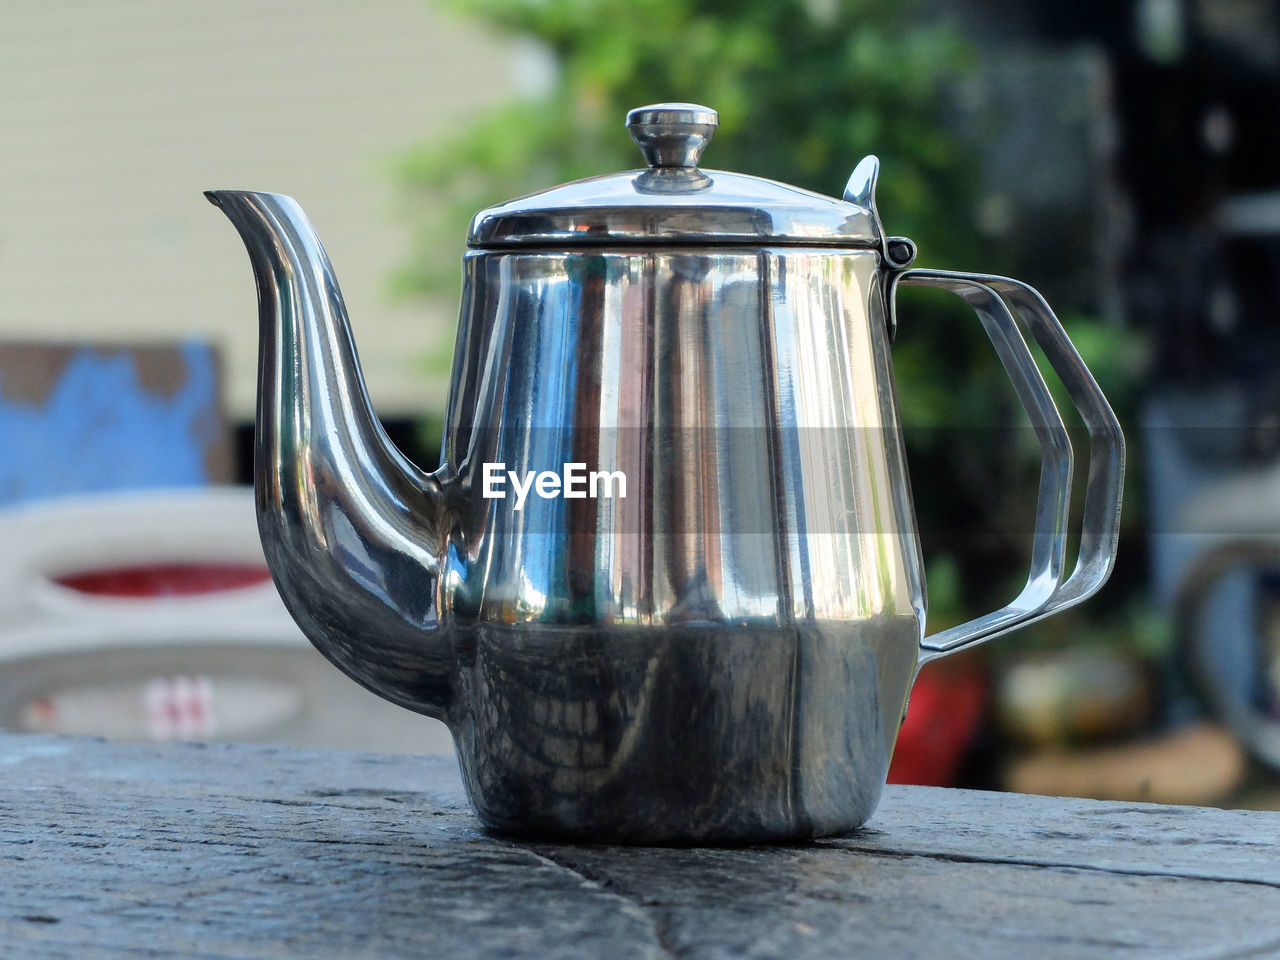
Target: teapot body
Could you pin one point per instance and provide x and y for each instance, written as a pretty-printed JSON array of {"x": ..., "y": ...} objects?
[
  {"x": 728, "y": 624},
  {"x": 666, "y": 585}
]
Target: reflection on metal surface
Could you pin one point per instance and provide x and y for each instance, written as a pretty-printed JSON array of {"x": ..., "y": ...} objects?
[
  {"x": 898, "y": 252},
  {"x": 723, "y": 654},
  {"x": 672, "y": 134},
  {"x": 673, "y": 201}
]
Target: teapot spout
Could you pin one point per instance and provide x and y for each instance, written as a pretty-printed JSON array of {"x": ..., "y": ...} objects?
[{"x": 353, "y": 532}]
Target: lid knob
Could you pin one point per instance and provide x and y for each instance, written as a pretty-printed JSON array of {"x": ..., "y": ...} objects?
[{"x": 672, "y": 134}]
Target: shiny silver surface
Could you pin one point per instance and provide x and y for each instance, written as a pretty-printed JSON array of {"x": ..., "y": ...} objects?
[
  {"x": 725, "y": 652},
  {"x": 672, "y": 134},
  {"x": 353, "y": 533},
  {"x": 1002, "y": 305},
  {"x": 896, "y": 252},
  {"x": 673, "y": 201}
]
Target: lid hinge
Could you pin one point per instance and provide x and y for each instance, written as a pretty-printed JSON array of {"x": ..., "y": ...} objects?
[{"x": 897, "y": 253}]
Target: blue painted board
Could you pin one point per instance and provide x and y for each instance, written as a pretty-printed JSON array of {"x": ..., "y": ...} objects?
[{"x": 77, "y": 419}]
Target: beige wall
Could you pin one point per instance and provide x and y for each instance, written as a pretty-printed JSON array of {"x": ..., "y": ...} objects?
[{"x": 115, "y": 116}]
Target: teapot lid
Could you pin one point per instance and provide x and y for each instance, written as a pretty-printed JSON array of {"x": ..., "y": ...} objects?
[{"x": 674, "y": 201}]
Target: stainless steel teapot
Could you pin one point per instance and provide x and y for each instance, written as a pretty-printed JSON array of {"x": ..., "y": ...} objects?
[{"x": 701, "y": 621}]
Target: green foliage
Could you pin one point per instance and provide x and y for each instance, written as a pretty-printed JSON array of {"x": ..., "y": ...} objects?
[{"x": 803, "y": 89}]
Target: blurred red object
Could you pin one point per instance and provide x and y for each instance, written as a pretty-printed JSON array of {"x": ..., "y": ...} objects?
[
  {"x": 946, "y": 711},
  {"x": 165, "y": 579}
]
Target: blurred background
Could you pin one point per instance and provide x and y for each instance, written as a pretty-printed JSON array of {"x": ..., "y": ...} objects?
[{"x": 1122, "y": 157}]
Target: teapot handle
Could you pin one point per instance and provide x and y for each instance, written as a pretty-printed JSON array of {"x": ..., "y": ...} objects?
[{"x": 998, "y": 301}]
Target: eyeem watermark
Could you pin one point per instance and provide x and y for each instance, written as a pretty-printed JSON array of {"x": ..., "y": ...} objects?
[{"x": 574, "y": 482}]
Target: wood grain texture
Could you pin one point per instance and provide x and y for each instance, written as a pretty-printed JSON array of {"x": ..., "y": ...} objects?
[{"x": 110, "y": 850}]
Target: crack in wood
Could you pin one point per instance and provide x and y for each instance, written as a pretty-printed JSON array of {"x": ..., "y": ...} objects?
[
  {"x": 658, "y": 925},
  {"x": 1045, "y": 864}
]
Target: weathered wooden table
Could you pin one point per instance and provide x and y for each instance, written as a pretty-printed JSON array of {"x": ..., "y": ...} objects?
[{"x": 113, "y": 850}]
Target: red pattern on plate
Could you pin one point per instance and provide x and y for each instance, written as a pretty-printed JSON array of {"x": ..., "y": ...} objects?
[{"x": 165, "y": 579}]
